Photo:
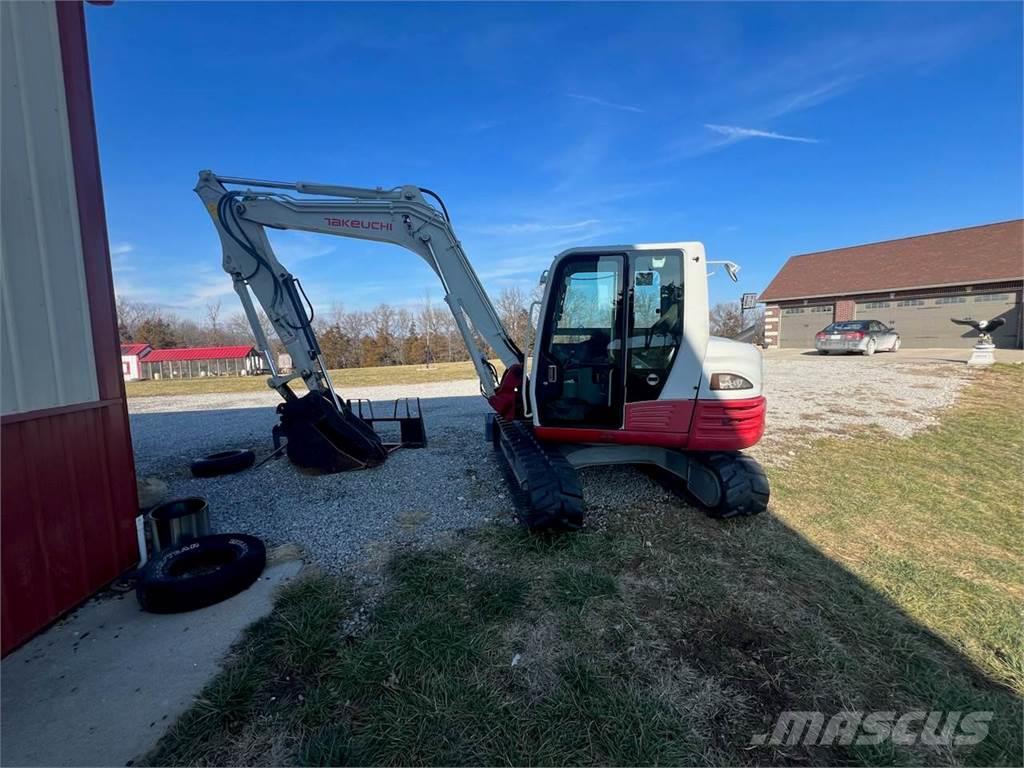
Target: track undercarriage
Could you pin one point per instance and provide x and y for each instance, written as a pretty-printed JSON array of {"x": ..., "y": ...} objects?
[{"x": 726, "y": 484}]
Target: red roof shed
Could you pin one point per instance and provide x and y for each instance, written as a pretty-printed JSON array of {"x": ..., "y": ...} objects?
[{"x": 200, "y": 353}]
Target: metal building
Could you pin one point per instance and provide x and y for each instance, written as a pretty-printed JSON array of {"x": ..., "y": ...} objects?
[{"x": 68, "y": 490}]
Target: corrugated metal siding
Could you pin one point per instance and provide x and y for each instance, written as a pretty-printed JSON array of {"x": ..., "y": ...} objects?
[
  {"x": 48, "y": 358},
  {"x": 63, "y": 479},
  {"x": 67, "y": 491}
]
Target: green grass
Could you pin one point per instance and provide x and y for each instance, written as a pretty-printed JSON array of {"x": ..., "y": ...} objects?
[
  {"x": 347, "y": 377},
  {"x": 663, "y": 636}
]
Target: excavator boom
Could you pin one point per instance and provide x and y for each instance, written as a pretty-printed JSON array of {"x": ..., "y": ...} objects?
[
  {"x": 400, "y": 216},
  {"x": 321, "y": 429}
]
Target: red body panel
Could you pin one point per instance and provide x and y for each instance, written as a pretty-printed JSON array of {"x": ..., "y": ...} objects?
[
  {"x": 506, "y": 400},
  {"x": 693, "y": 425},
  {"x": 659, "y": 416},
  {"x": 727, "y": 425}
]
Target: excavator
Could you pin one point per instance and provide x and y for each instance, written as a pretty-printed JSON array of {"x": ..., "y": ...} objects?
[{"x": 623, "y": 369}]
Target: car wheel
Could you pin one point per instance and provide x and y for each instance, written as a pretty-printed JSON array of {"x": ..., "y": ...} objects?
[
  {"x": 870, "y": 348},
  {"x": 895, "y": 345}
]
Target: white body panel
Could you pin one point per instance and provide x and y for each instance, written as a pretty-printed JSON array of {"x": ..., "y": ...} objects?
[{"x": 728, "y": 356}]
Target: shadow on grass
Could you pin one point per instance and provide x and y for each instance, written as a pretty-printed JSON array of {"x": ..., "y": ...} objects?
[{"x": 659, "y": 637}]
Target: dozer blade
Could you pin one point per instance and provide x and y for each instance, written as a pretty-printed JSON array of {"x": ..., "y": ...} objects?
[
  {"x": 553, "y": 498},
  {"x": 322, "y": 438}
]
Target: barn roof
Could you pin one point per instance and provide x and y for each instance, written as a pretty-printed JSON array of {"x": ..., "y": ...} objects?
[
  {"x": 133, "y": 349},
  {"x": 986, "y": 253},
  {"x": 198, "y": 353}
]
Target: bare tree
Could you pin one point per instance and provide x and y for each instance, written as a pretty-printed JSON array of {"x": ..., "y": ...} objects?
[
  {"x": 726, "y": 319},
  {"x": 428, "y": 326},
  {"x": 213, "y": 314},
  {"x": 512, "y": 311},
  {"x": 130, "y": 315}
]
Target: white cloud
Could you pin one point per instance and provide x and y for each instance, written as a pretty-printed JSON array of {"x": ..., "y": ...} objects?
[
  {"x": 121, "y": 249},
  {"x": 736, "y": 133},
  {"x": 603, "y": 102}
]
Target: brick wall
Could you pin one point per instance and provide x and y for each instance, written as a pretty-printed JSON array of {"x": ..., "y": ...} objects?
[{"x": 845, "y": 310}]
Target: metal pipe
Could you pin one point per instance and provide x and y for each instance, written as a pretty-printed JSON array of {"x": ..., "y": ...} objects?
[
  {"x": 257, "y": 182},
  {"x": 330, "y": 384},
  {"x": 314, "y": 188}
]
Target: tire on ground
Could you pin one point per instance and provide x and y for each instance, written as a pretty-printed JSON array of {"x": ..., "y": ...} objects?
[
  {"x": 743, "y": 483},
  {"x": 223, "y": 463},
  {"x": 200, "y": 573}
]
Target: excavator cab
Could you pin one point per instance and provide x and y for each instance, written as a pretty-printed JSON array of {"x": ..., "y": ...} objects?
[{"x": 611, "y": 329}]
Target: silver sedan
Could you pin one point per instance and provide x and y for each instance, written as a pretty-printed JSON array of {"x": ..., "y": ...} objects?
[{"x": 863, "y": 336}]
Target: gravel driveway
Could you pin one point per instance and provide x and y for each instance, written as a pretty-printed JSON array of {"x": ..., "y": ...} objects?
[{"x": 354, "y": 518}]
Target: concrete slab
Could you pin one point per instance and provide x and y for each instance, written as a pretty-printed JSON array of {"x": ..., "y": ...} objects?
[{"x": 102, "y": 686}]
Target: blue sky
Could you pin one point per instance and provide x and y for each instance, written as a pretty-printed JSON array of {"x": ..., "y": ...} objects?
[{"x": 762, "y": 130}]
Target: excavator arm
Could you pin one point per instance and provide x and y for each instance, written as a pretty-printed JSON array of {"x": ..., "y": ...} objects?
[{"x": 401, "y": 216}]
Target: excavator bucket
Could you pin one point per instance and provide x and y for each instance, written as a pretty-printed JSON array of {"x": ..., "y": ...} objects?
[{"x": 322, "y": 438}]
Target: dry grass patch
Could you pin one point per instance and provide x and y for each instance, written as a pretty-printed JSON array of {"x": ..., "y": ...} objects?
[{"x": 381, "y": 376}]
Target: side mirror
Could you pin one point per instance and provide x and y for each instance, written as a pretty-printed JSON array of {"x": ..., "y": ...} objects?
[{"x": 731, "y": 268}]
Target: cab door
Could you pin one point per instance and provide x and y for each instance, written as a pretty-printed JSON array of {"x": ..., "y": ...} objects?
[
  {"x": 655, "y": 322},
  {"x": 580, "y": 375}
]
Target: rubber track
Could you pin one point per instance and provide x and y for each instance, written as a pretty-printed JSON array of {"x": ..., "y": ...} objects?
[{"x": 552, "y": 489}]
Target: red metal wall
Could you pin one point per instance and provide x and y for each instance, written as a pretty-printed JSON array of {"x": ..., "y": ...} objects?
[{"x": 67, "y": 491}]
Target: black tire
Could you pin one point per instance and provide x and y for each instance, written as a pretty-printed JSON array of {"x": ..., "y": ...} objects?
[
  {"x": 223, "y": 463},
  {"x": 743, "y": 484},
  {"x": 200, "y": 573}
]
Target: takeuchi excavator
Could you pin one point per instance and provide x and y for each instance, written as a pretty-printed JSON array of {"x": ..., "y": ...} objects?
[{"x": 624, "y": 370}]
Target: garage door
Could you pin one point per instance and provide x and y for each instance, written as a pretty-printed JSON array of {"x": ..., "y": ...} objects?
[
  {"x": 799, "y": 324},
  {"x": 925, "y": 322}
]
